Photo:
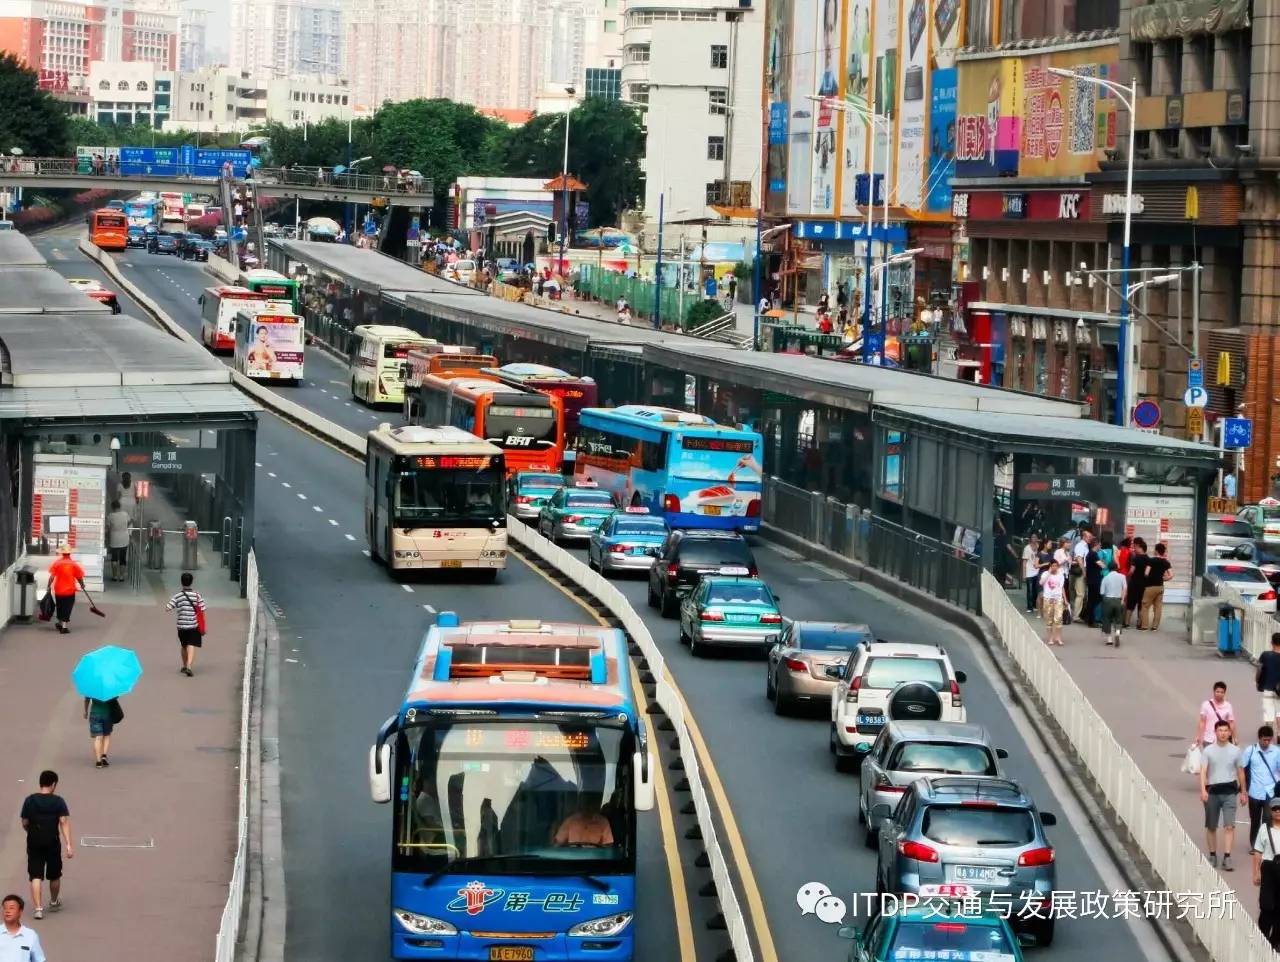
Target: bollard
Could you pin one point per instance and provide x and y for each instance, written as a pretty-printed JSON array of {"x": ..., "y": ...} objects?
[
  {"x": 155, "y": 546},
  {"x": 190, "y": 534}
]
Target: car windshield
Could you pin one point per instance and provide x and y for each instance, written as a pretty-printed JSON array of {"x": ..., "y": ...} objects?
[
  {"x": 892, "y": 672},
  {"x": 955, "y": 940},
  {"x": 831, "y": 639},
  {"x": 1239, "y": 574},
  {"x": 636, "y": 526},
  {"x": 541, "y": 481},
  {"x": 953, "y": 759},
  {"x": 441, "y": 496},
  {"x": 721, "y": 551},
  {"x": 739, "y": 594},
  {"x": 1231, "y": 529},
  {"x": 972, "y": 826},
  {"x": 589, "y": 499}
]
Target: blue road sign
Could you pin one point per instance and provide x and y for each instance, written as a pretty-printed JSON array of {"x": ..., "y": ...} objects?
[
  {"x": 1195, "y": 373},
  {"x": 1146, "y": 414},
  {"x": 1237, "y": 432}
]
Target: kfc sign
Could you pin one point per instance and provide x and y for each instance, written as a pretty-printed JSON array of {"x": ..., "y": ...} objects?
[{"x": 1069, "y": 207}]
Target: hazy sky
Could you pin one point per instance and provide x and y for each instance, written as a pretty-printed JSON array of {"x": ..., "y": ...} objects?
[{"x": 219, "y": 20}]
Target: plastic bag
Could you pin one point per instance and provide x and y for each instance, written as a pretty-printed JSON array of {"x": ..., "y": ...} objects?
[
  {"x": 1191, "y": 764},
  {"x": 45, "y": 612}
]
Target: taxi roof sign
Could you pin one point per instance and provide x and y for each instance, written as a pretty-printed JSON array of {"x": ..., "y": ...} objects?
[
  {"x": 637, "y": 509},
  {"x": 585, "y": 483},
  {"x": 1269, "y": 502}
]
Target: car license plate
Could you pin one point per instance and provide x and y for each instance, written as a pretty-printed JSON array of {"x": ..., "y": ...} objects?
[
  {"x": 511, "y": 953},
  {"x": 712, "y": 509},
  {"x": 743, "y": 619},
  {"x": 975, "y": 873},
  {"x": 450, "y": 564},
  {"x": 870, "y": 719}
]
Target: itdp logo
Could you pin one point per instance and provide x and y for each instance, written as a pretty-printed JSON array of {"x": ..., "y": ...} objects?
[{"x": 814, "y": 898}]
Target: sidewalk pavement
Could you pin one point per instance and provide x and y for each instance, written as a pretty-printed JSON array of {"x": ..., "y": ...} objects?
[
  {"x": 1149, "y": 691},
  {"x": 154, "y": 833}
]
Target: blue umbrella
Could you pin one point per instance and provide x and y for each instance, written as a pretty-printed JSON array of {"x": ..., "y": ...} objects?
[{"x": 107, "y": 673}]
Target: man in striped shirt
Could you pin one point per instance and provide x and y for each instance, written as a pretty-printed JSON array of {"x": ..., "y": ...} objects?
[{"x": 190, "y": 609}]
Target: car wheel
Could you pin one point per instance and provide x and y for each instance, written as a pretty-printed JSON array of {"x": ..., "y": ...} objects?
[
  {"x": 591, "y": 561},
  {"x": 652, "y": 598},
  {"x": 1042, "y": 929},
  {"x": 831, "y": 740},
  {"x": 880, "y": 893},
  {"x": 684, "y": 635},
  {"x": 668, "y": 606},
  {"x": 862, "y": 817},
  {"x": 871, "y": 838},
  {"x": 781, "y": 704},
  {"x": 769, "y": 690},
  {"x": 695, "y": 649}
]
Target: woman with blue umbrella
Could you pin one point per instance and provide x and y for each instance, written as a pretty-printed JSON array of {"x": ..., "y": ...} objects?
[{"x": 102, "y": 676}]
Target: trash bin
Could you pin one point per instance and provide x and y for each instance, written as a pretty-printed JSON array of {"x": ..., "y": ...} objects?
[
  {"x": 25, "y": 585},
  {"x": 1228, "y": 630}
]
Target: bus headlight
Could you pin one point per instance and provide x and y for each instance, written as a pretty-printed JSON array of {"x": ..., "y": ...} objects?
[
  {"x": 423, "y": 924},
  {"x": 603, "y": 928}
]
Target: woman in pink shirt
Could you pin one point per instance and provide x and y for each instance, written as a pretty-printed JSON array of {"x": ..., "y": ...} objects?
[{"x": 1212, "y": 711}]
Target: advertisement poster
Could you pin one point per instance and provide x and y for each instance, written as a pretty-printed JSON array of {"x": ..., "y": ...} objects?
[
  {"x": 275, "y": 348},
  {"x": 804, "y": 79},
  {"x": 914, "y": 85},
  {"x": 884, "y": 82},
  {"x": 778, "y": 81},
  {"x": 723, "y": 476},
  {"x": 825, "y": 159},
  {"x": 988, "y": 119},
  {"x": 1065, "y": 122},
  {"x": 1168, "y": 519},
  {"x": 857, "y": 87},
  {"x": 942, "y": 140}
]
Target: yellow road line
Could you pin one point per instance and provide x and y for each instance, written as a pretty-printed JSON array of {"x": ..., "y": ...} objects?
[{"x": 679, "y": 890}]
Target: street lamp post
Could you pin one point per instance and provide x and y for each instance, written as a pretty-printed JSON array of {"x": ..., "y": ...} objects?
[
  {"x": 564, "y": 175},
  {"x": 1124, "y": 375}
]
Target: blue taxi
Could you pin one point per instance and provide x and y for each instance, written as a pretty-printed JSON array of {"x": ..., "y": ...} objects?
[
  {"x": 950, "y": 924},
  {"x": 575, "y": 513},
  {"x": 729, "y": 609},
  {"x": 625, "y": 541},
  {"x": 528, "y": 491}
]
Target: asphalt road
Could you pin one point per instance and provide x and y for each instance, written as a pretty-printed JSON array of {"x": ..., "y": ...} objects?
[{"x": 797, "y": 816}]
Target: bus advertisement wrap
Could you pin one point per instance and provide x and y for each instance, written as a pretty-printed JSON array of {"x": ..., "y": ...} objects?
[
  {"x": 272, "y": 347},
  {"x": 718, "y": 477}
]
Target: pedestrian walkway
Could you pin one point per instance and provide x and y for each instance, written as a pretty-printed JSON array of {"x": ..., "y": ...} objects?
[
  {"x": 154, "y": 833},
  {"x": 1149, "y": 691}
]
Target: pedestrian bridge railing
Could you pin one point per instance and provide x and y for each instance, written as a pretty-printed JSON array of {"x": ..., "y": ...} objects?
[{"x": 1134, "y": 803}]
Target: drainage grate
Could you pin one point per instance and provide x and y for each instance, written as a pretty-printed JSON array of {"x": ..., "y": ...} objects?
[{"x": 116, "y": 841}]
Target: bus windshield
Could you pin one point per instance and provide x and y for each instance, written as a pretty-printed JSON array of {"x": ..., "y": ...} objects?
[
  {"x": 527, "y": 797},
  {"x": 504, "y": 421},
  {"x": 443, "y": 495}
]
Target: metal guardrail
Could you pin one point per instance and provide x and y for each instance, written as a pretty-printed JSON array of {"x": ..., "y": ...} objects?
[
  {"x": 229, "y": 926},
  {"x": 1154, "y": 828},
  {"x": 1256, "y": 627}
]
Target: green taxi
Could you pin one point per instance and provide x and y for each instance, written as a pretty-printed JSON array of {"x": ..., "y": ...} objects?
[
  {"x": 575, "y": 513},
  {"x": 729, "y": 608},
  {"x": 941, "y": 927},
  {"x": 528, "y": 491}
]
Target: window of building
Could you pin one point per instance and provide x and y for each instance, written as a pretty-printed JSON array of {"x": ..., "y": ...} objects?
[
  {"x": 140, "y": 85},
  {"x": 122, "y": 85},
  {"x": 639, "y": 94},
  {"x": 104, "y": 85},
  {"x": 719, "y": 56},
  {"x": 717, "y": 100},
  {"x": 611, "y": 26},
  {"x": 715, "y": 148},
  {"x": 638, "y": 53},
  {"x": 714, "y": 192}
]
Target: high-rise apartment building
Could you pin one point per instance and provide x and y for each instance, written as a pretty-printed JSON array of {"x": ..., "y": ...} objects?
[
  {"x": 193, "y": 42},
  {"x": 284, "y": 38},
  {"x": 60, "y": 38},
  {"x": 400, "y": 50}
]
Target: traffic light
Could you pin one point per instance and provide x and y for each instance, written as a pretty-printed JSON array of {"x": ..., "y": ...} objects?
[{"x": 551, "y": 232}]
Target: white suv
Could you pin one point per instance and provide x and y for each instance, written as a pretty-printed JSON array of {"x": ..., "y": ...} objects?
[{"x": 860, "y": 699}]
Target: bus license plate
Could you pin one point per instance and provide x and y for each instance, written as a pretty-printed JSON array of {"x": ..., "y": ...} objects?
[
  {"x": 511, "y": 953},
  {"x": 453, "y": 564},
  {"x": 712, "y": 509}
]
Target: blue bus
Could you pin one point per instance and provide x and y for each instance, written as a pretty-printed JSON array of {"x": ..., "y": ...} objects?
[
  {"x": 142, "y": 213},
  {"x": 514, "y": 769},
  {"x": 686, "y": 467}
]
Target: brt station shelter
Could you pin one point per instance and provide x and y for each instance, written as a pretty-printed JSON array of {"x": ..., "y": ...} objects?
[{"x": 86, "y": 396}]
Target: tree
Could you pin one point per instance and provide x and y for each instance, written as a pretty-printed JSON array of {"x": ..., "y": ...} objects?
[
  {"x": 606, "y": 143},
  {"x": 82, "y": 132},
  {"x": 31, "y": 119}
]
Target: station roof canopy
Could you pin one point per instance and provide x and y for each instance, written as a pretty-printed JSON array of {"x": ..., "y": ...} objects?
[
  {"x": 370, "y": 271},
  {"x": 16, "y": 250},
  {"x": 1041, "y": 434},
  {"x": 850, "y": 386},
  {"x": 38, "y": 290},
  {"x": 174, "y": 404}
]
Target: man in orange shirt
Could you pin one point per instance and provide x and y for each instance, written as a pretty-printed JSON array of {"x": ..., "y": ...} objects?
[{"x": 64, "y": 575}]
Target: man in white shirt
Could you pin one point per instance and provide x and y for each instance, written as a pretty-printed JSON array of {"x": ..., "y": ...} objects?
[
  {"x": 1031, "y": 570},
  {"x": 1114, "y": 586},
  {"x": 1079, "y": 553},
  {"x": 1265, "y": 846},
  {"x": 17, "y": 942}
]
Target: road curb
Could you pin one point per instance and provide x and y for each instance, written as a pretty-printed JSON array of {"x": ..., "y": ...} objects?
[{"x": 1127, "y": 859}]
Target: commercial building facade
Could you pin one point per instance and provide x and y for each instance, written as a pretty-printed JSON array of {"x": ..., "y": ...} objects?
[
  {"x": 218, "y": 99},
  {"x": 130, "y": 93}
]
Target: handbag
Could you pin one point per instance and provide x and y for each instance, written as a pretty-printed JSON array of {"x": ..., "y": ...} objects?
[
  {"x": 117, "y": 713},
  {"x": 201, "y": 625},
  {"x": 46, "y": 607},
  {"x": 1191, "y": 763}
]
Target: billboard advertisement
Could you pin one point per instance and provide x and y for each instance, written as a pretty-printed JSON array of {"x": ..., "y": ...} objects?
[
  {"x": 884, "y": 81},
  {"x": 778, "y": 84},
  {"x": 1014, "y": 117},
  {"x": 804, "y": 84},
  {"x": 823, "y": 199},
  {"x": 857, "y": 88},
  {"x": 271, "y": 347},
  {"x": 942, "y": 140},
  {"x": 913, "y": 83}
]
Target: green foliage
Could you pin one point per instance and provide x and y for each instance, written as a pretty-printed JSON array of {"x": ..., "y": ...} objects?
[
  {"x": 742, "y": 271},
  {"x": 703, "y": 311},
  {"x": 83, "y": 132},
  {"x": 30, "y": 119}
]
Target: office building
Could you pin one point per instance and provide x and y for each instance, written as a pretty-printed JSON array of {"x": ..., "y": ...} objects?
[
  {"x": 193, "y": 48},
  {"x": 121, "y": 92},
  {"x": 222, "y": 99}
]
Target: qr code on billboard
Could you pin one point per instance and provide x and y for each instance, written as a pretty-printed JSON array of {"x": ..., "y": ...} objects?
[{"x": 1083, "y": 108}]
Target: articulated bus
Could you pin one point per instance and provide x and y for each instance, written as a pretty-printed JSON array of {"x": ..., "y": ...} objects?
[
  {"x": 378, "y": 364},
  {"x": 529, "y": 427},
  {"x": 219, "y": 307},
  {"x": 270, "y": 345},
  {"x": 576, "y": 393},
  {"x": 434, "y": 499},
  {"x": 433, "y": 359},
  {"x": 108, "y": 229},
  {"x": 692, "y": 471},
  {"x": 515, "y": 768},
  {"x": 275, "y": 286}
]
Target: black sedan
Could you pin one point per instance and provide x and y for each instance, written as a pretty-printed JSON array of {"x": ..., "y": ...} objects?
[
  {"x": 137, "y": 237},
  {"x": 163, "y": 244},
  {"x": 193, "y": 247}
]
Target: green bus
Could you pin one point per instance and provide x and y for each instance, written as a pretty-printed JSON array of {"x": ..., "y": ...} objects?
[{"x": 275, "y": 286}]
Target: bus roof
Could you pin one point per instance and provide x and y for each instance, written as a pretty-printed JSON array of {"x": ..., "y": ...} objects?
[
  {"x": 529, "y": 665},
  {"x": 230, "y": 290},
  {"x": 657, "y": 418},
  {"x": 264, "y": 274},
  {"x": 465, "y": 381},
  {"x": 392, "y": 332},
  {"x": 409, "y": 439},
  {"x": 535, "y": 372}
]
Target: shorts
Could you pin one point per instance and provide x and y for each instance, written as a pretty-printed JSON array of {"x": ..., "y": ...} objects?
[
  {"x": 1112, "y": 614},
  {"x": 1268, "y": 708},
  {"x": 1053, "y": 612},
  {"x": 44, "y": 861},
  {"x": 100, "y": 725},
  {"x": 1220, "y": 810},
  {"x": 190, "y": 637},
  {"x": 62, "y": 606},
  {"x": 120, "y": 556}
]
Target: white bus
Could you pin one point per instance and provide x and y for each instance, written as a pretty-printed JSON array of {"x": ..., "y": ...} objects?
[
  {"x": 270, "y": 345},
  {"x": 434, "y": 500},
  {"x": 377, "y": 365},
  {"x": 219, "y": 307}
]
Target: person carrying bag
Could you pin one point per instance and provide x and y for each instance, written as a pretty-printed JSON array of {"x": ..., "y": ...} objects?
[
  {"x": 1266, "y": 875},
  {"x": 190, "y": 609}
]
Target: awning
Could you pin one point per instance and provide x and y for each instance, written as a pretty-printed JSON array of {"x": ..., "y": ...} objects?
[{"x": 116, "y": 403}]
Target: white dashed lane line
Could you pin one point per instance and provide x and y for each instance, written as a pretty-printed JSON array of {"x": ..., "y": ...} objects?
[
  {"x": 408, "y": 588},
  {"x": 316, "y": 507},
  {"x": 270, "y": 474},
  {"x": 430, "y": 609},
  {"x": 363, "y": 551},
  {"x": 285, "y": 484},
  {"x": 350, "y": 537},
  {"x": 332, "y": 522},
  {"x": 301, "y": 496}
]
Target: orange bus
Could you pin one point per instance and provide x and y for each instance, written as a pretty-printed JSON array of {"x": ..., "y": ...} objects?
[
  {"x": 528, "y": 426},
  {"x": 424, "y": 359},
  {"x": 109, "y": 229}
]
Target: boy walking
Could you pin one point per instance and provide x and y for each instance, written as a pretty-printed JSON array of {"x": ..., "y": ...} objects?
[
  {"x": 47, "y": 822},
  {"x": 190, "y": 609}
]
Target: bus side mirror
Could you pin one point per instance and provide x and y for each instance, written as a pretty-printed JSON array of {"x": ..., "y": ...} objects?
[
  {"x": 642, "y": 766},
  {"x": 380, "y": 773}
]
